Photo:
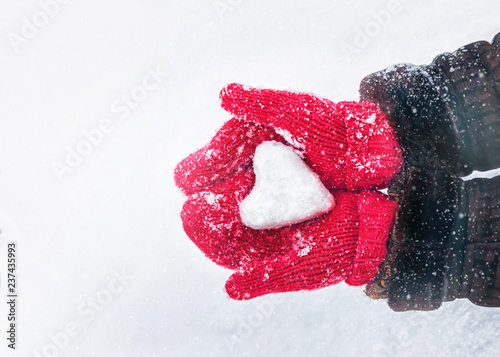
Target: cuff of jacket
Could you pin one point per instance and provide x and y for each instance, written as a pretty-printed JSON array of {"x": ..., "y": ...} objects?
[{"x": 421, "y": 239}]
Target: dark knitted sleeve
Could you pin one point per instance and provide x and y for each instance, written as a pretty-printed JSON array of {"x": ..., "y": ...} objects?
[
  {"x": 446, "y": 114},
  {"x": 430, "y": 219}
]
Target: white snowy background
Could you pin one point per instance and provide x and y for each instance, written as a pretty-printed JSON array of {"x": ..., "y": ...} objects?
[{"x": 116, "y": 213}]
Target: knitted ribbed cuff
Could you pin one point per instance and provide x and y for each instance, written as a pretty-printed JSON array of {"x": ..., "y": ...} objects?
[{"x": 376, "y": 218}]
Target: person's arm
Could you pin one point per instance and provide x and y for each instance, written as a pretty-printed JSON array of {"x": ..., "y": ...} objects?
[{"x": 446, "y": 114}]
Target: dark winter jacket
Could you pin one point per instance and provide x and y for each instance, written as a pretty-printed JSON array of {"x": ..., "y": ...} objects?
[{"x": 446, "y": 241}]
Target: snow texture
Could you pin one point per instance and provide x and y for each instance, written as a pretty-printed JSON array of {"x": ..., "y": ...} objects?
[
  {"x": 119, "y": 208},
  {"x": 286, "y": 190}
]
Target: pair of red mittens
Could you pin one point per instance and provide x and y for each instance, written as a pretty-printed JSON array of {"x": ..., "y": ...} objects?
[{"x": 349, "y": 145}]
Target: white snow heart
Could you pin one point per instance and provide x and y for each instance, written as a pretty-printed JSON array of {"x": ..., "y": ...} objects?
[{"x": 286, "y": 190}]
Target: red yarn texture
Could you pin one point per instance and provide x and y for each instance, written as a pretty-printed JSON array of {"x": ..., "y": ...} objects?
[
  {"x": 351, "y": 147},
  {"x": 349, "y": 144}
]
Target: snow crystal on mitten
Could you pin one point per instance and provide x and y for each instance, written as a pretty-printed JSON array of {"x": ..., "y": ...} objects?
[{"x": 286, "y": 190}]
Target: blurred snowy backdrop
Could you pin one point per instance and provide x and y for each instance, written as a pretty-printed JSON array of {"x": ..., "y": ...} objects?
[{"x": 100, "y": 100}]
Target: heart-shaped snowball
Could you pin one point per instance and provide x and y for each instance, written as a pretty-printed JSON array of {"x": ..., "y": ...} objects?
[{"x": 286, "y": 190}]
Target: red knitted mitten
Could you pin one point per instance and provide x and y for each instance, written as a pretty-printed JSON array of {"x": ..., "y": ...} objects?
[
  {"x": 348, "y": 243},
  {"x": 349, "y": 144}
]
